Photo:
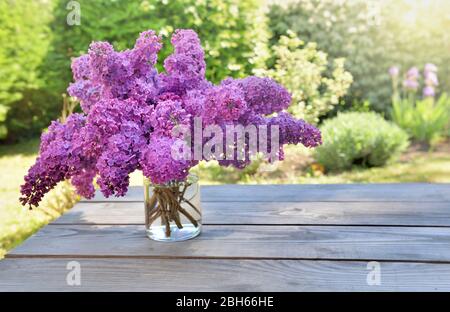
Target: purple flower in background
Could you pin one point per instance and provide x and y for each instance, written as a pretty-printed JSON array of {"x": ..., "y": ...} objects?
[
  {"x": 428, "y": 91},
  {"x": 413, "y": 73},
  {"x": 430, "y": 68},
  {"x": 411, "y": 84},
  {"x": 431, "y": 79},
  {"x": 394, "y": 71},
  {"x": 130, "y": 111}
]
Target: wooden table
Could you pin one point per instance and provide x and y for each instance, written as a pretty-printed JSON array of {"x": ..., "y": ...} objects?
[{"x": 255, "y": 238}]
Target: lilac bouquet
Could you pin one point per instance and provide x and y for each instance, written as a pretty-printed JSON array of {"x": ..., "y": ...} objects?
[{"x": 134, "y": 118}]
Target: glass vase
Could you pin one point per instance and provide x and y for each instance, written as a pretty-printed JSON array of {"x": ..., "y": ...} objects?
[{"x": 172, "y": 211}]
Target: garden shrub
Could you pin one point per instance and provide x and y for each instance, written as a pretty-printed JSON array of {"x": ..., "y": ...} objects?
[
  {"x": 301, "y": 68},
  {"x": 364, "y": 139},
  {"x": 371, "y": 36}
]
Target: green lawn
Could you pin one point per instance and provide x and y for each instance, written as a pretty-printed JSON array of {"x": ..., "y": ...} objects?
[{"x": 17, "y": 222}]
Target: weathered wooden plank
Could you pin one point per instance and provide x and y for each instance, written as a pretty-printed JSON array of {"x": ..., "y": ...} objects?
[
  {"x": 342, "y": 213},
  {"x": 420, "y": 192},
  {"x": 274, "y": 242},
  {"x": 234, "y": 275}
]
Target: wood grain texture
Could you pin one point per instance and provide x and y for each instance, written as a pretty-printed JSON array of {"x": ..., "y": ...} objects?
[
  {"x": 219, "y": 275},
  {"x": 277, "y": 242},
  {"x": 419, "y": 192},
  {"x": 304, "y": 213},
  {"x": 256, "y": 238}
]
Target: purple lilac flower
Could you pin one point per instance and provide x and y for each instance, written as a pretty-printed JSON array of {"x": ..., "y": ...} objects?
[
  {"x": 130, "y": 110},
  {"x": 167, "y": 115},
  {"x": 290, "y": 128},
  {"x": 223, "y": 104},
  {"x": 118, "y": 160},
  {"x": 186, "y": 66},
  {"x": 59, "y": 159},
  {"x": 158, "y": 165},
  {"x": 82, "y": 182},
  {"x": 263, "y": 95}
]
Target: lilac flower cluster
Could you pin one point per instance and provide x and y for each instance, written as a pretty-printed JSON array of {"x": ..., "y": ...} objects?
[{"x": 130, "y": 111}]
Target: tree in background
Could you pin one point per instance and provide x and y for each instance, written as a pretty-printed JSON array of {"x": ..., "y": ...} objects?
[
  {"x": 371, "y": 35},
  {"x": 302, "y": 69},
  {"x": 232, "y": 34},
  {"x": 226, "y": 29},
  {"x": 23, "y": 44}
]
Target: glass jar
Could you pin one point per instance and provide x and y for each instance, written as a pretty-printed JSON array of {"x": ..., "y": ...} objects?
[{"x": 173, "y": 211}]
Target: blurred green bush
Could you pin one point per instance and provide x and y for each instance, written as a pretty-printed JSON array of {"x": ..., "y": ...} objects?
[
  {"x": 371, "y": 36},
  {"x": 23, "y": 44},
  {"x": 363, "y": 139},
  {"x": 232, "y": 34},
  {"x": 302, "y": 69}
]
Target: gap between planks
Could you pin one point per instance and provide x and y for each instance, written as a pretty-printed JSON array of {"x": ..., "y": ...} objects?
[
  {"x": 270, "y": 242},
  {"x": 85, "y": 201},
  {"x": 205, "y": 258},
  {"x": 419, "y": 192},
  {"x": 265, "y": 224},
  {"x": 295, "y": 213}
]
